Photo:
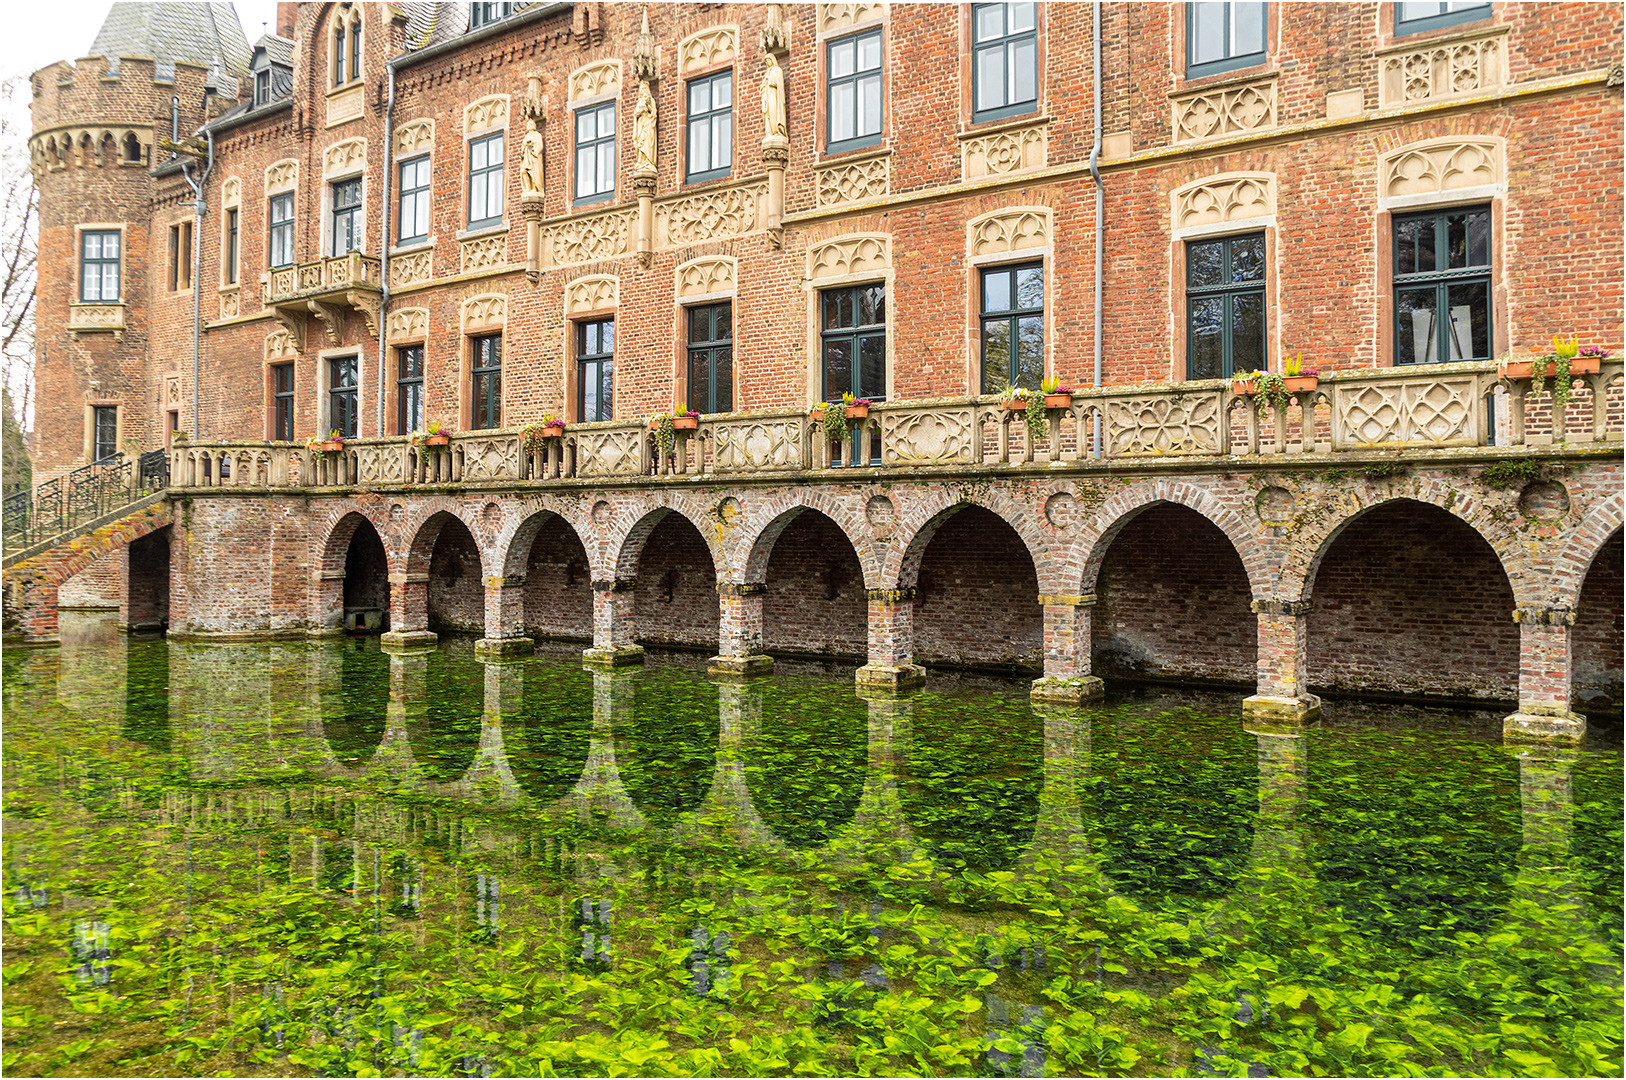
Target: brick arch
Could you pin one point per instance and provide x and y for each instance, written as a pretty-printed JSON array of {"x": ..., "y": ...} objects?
[
  {"x": 511, "y": 549},
  {"x": 919, "y": 521},
  {"x": 337, "y": 528},
  {"x": 1296, "y": 578},
  {"x": 423, "y": 528},
  {"x": 755, "y": 543},
  {"x": 1575, "y": 559},
  {"x": 624, "y": 546},
  {"x": 1123, "y": 507}
]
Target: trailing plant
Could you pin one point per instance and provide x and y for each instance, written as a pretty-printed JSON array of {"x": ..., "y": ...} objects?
[
  {"x": 1272, "y": 391},
  {"x": 662, "y": 425},
  {"x": 534, "y": 434},
  {"x": 832, "y": 420},
  {"x": 1034, "y": 416}
]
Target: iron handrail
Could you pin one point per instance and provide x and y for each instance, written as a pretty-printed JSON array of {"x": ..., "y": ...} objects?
[{"x": 85, "y": 494}]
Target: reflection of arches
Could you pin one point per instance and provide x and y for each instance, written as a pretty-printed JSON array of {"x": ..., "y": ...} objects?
[
  {"x": 355, "y": 712},
  {"x": 548, "y": 743},
  {"x": 814, "y": 600},
  {"x": 1596, "y": 642},
  {"x": 445, "y": 727},
  {"x": 666, "y": 751},
  {"x": 675, "y": 602},
  {"x": 1118, "y": 511},
  {"x": 1398, "y": 571},
  {"x": 805, "y": 769},
  {"x": 1173, "y": 600},
  {"x": 976, "y": 592}
]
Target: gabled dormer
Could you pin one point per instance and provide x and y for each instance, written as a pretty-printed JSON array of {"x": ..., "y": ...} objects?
[{"x": 271, "y": 69}]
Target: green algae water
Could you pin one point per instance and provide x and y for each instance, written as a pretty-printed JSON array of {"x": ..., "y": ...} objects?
[{"x": 326, "y": 860}]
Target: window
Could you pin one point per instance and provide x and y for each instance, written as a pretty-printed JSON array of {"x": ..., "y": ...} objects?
[
  {"x": 180, "y": 256},
  {"x": 346, "y": 216},
  {"x": 1004, "y": 60},
  {"x": 99, "y": 266},
  {"x": 1012, "y": 327},
  {"x": 486, "y": 14},
  {"x": 132, "y": 148},
  {"x": 1223, "y": 36},
  {"x": 338, "y": 52},
  {"x": 341, "y": 395},
  {"x": 262, "y": 87},
  {"x": 595, "y": 355},
  {"x": 711, "y": 126},
  {"x": 1442, "y": 282},
  {"x": 409, "y": 389},
  {"x": 282, "y": 229},
  {"x": 711, "y": 358},
  {"x": 282, "y": 402},
  {"x": 1225, "y": 306},
  {"x": 853, "y": 341},
  {"x": 853, "y": 105},
  {"x": 231, "y": 246},
  {"x": 104, "y": 432},
  {"x": 485, "y": 180},
  {"x": 1415, "y": 18},
  {"x": 355, "y": 45},
  {"x": 413, "y": 222},
  {"x": 487, "y": 381},
  {"x": 595, "y": 153}
]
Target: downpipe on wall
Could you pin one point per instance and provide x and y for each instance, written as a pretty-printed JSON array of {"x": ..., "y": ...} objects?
[
  {"x": 1100, "y": 209},
  {"x": 200, "y": 207},
  {"x": 384, "y": 236}
]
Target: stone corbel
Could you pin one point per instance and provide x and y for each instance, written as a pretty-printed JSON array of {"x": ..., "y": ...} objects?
[
  {"x": 643, "y": 185},
  {"x": 294, "y": 323},
  {"x": 367, "y": 304},
  {"x": 332, "y": 317}
]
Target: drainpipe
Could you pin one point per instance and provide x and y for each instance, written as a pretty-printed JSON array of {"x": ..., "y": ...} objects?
[
  {"x": 384, "y": 233},
  {"x": 199, "y": 208},
  {"x": 1100, "y": 208}
]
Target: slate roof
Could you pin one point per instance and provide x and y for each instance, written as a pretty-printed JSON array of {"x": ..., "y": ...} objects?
[
  {"x": 278, "y": 50},
  {"x": 205, "y": 34},
  {"x": 430, "y": 24}
]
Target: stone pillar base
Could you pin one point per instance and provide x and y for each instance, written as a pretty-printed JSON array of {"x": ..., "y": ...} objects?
[
  {"x": 1069, "y": 691},
  {"x": 876, "y": 677},
  {"x": 1554, "y": 729},
  {"x": 504, "y": 646},
  {"x": 1266, "y": 710},
  {"x": 739, "y": 667},
  {"x": 325, "y": 632},
  {"x": 406, "y": 641},
  {"x": 30, "y": 641},
  {"x": 614, "y": 657}
]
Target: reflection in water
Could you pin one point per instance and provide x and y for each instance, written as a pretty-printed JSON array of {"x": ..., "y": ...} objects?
[{"x": 527, "y": 867}]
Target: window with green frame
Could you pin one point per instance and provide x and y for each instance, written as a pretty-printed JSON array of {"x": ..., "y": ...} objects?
[
  {"x": 1012, "y": 327},
  {"x": 1225, "y": 306},
  {"x": 595, "y": 378},
  {"x": 1442, "y": 286},
  {"x": 853, "y": 341},
  {"x": 711, "y": 358},
  {"x": 1414, "y": 18},
  {"x": 486, "y": 381}
]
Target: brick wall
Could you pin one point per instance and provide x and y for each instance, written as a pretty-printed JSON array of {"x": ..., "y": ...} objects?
[
  {"x": 1595, "y": 647},
  {"x": 558, "y": 585},
  {"x": 1172, "y": 602},
  {"x": 1409, "y": 599},
  {"x": 815, "y": 599},
  {"x": 457, "y": 592},
  {"x": 98, "y": 585},
  {"x": 676, "y": 598},
  {"x": 977, "y": 601}
]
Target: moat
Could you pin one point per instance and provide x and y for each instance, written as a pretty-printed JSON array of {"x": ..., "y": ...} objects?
[{"x": 323, "y": 859}]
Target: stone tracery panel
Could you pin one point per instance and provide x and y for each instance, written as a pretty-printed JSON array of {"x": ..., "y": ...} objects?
[
  {"x": 1440, "y": 165},
  {"x": 593, "y": 80},
  {"x": 346, "y": 156},
  {"x": 706, "y": 277},
  {"x": 834, "y": 17},
  {"x": 1014, "y": 229},
  {"x": 279, "y": 346},
  {"x": 408, "y": 323},
  {"x": 602, "y": 236},
  {"x": 414, "y": 136},
  {"x": 1441, "y": 71},
  {"x": 1004, "y": 152},
  {"x": 488, "y": 311},
  {"x": 281, "y": 176},
  {"x": 487, "y": 113},
  {"x": 1164, "y": 425},
  {"x": 843, "y": 256},
  {"x": 710, "y": 216},
  {"x": 599, "y": 292},
  {"x": 1215, "y": 200},
  {"x": 1231, "y": 110},
  {"x": 853, "y": 182},
  {"x": 484, "y": 253},
  {"x": 410, "y": 269},
  {"x": 708, "y": 48}
]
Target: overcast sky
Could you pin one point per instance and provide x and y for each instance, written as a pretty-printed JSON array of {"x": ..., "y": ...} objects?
[{"x": 36, "y": 32}]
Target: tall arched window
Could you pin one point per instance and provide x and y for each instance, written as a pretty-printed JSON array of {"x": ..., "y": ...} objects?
[{"x": 347, "y": 44}]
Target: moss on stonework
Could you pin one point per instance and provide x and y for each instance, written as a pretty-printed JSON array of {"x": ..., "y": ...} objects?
[{"x": 1505, "y": 474}]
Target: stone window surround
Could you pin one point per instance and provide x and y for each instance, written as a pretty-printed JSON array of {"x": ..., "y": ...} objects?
[
  {"x": 1492, "y": 195},
  {"x": 681, "y": 303},
  {"x": 345, "y": 15},
  {"x": 821, "y": 101},
  {"x": 603, "y": 199},
  {"x": 357, "y": 169},
  {"x": 686, "y": 74},
  {"x": 231, "y": 198},
  {"x": 1178, "y": 83},
  {"x": 496, "y": 326},
  {"x": 884, "y": 272},
  {"x": 289, "y": 184},
  {"x": 177, "y": 256},
  {"x": 403, "y": 151},
  {"x": 1253, "y": 223},
  {"x": 79, "y": 258},
  {"x": 268, "y": 378},
  {"x": 393, "y": 342},
  {"x": 477, "y": 127},
  {"x": 967, "y": 59},
  {"x": 1387, "y": 37},
  {"x": 102, "y": 401},
  {"x": 606, "y": 306},
  {"x": 975, "y": 265}
]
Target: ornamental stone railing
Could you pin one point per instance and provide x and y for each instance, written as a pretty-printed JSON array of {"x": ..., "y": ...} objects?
[
  {"x": 1438, "y": 407},
  {"x": 324, "y": 277}
]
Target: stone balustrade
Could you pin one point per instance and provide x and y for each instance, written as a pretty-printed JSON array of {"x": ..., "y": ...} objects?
[{"x": 1442, "y": 406}]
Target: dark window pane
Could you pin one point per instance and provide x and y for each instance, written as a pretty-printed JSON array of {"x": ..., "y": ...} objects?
[
  {"x": 838, "y": 367},
  {"x": 1405, "y": 247},
  {"x": 607, "y": 335},
  {"x": 872, "y": 366},
  {"x": 1030, "y": 287},
  {"x": 699, "y": 379},
  {"x": 1248, "y": 332},
  {"x": 996, "y": 354},
  {"x": 722, "y": 380},
  {"x": 1030, "y": 352},
  {"x": 1416, "y": 332},
  {"x": 1425, "y": 245},
  {"x": 1468, "y": 335},
  {"x": 723, "y": 322},
  {"x": 878, "y": 297},
  {"x": 996, "y": 290},
  {"x": 1207, "y": 359},
  {"x": 700, "y": 324},
  {"x": 1479, "y": 239},
  {"x": 1205, "y": 263},
  {"x": 1248, "y": 259}
]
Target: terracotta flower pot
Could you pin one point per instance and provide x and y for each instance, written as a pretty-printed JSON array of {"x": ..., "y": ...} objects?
[
  {"x": 1016, "y": 405},
  {"x": 332, "y": 447},
  {"x": 1244, "y": 386},
  {"x": 857, "y": 412},
  {"x": 437, "y": 440},
  {"x": 553, "y": 431},
  {"x": 1058, "y": 401},
  {"x": 1579, "y": 365},
  {"x": 685, "y": 423},
  {"x": 1298, "y": 383}
]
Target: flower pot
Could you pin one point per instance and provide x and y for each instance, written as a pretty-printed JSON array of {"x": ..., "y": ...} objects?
[
  {"x": 1524, "y": 369},
  {"x": 857, "y": 412},
  {"x": 685, "y": 423},
  {"x": 436, "y": 440},
  {"x": 1016, "y": 405},
  {"x": 1058, "y": 401},
  {"x": 332, "y": 447},
  {"x": 1300, "y": 383},
  {"x": 553, "y": 431},
  {"x": 1244, "y": 386}
]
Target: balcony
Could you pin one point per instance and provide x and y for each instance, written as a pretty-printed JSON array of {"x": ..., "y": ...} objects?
[
  {"x": 324, "y": 289},
  {"x": 1442, "y": 412}
]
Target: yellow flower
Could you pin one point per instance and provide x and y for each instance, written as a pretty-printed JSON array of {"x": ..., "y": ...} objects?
[{"x": 1566, "y": 348}]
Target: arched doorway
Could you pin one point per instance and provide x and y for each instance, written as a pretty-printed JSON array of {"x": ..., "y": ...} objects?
[
  {"x": 146, "y": 595},
  {"x": 1408, "y": 598},
  {"x": 977, "y": 596},
  {"x": 366, "y": 581},
  {"x": 1173, "y": 602},
  {"x": 815, "y": 603},
  {"x": 558, "y": 582},
  {"x": 676, "y": 598},
  {"x": 457, "y": 596},
  {"x": 1596, "y": 644}
]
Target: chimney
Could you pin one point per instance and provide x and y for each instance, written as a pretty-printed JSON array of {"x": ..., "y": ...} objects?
[{"x": 286, "y": 14}]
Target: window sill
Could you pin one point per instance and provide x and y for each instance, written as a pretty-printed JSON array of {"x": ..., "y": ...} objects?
[
  {"x": 412, "y": 246},
  {"x": 854, "y": 157},
  {"x": 478, "y": 231},
  {"x": 1009, "y": 123},
  {"x": 1463, "y": 33},
  {"x": 706, "y": 179},
  {"x": 604, "y": 199},
  {"x": 344, "y": 87},
  {"x": 857, "y": 150},
  {"x": 1480, "y": 22},
  {"x": 1223, "y": 80}
]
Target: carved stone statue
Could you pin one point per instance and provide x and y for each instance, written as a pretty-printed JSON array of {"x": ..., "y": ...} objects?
[
  {"x": 530, "y": 175},
  {"x": 773, "y": 100},
  {"x": 643, "y": 129}
]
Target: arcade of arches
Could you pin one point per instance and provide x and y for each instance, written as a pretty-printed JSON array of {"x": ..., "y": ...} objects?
[{"x": 1430, "y": 584}]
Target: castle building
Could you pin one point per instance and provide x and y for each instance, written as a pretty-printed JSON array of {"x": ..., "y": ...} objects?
[{"x": 385, "y": 218}]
